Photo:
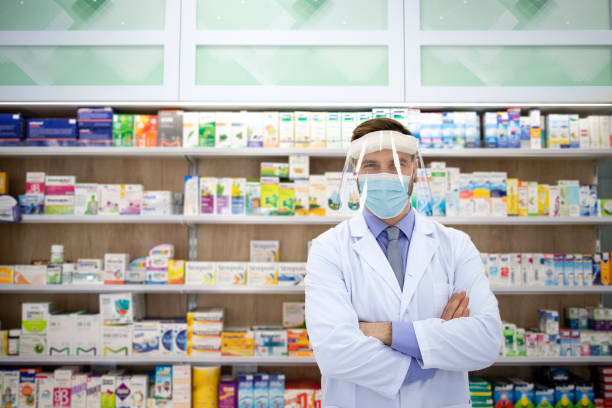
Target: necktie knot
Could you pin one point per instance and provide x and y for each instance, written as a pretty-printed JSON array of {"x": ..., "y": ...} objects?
[{"x": 392, "y": 233}]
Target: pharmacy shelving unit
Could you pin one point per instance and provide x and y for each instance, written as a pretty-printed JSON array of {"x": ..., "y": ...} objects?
[
  {"x": 296, "y": 220},
  {"x": 264, "y": 290},
  {"x": 266, "y": 361},
  {"x": 226, "y": 238},
  {"x": 160, "y": 152}
]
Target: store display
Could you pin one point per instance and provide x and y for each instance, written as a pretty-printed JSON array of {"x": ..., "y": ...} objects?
[
  {"x": 62, "y": 195},
  {"x": 534, "y": 269},
  {"x": 319, "y": 130},
  {"x": 589, "y": 333}
]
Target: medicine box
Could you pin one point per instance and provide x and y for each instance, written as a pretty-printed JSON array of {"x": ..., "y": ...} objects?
[
  {"x": 123, "y": 130},
  {"x": 86, "y": 199},
  {"x": 11, "y": 129},
  {"x": 86, "y": 340},
  {"x": 145, "y": 130},
  {"x": 146, "y": 338},
  {"x": 35, "y": 317},
  {"x": 60, "y": 332},
  {"x": 44, "y": 390},
  {"x": 30, "y": 275},
  {"x": 110, "y": 196},
  {"x": 117, "y": 340},
  {"x": 264, "y": 251},
  {"x": 200, "y": 273},
  {"x": 32, "y": 345},
  {"x": 262, "y": 274},
  {"x": 237, "y": 342},
  {"x": 157, "y": 269},
  {"x": 163, "y": 382},
  {"x": 156, "y": 203},
  {"x": 270, "y": 341},
  {"x": 115, "y": 267},
  {"x": 181, "y": 386},
  {"x": 88, "y": 271},
  {"x": 260, "y": 389},
  {"x": 170, "y": 128},
  {"x": 130, "y": 197},
  {"x": 294, "y": 315},
  {"x": 176, "y": 272},
  {"x": 62, "y": 388},
  {"x": 231, "y": 273},
  {"x": 291, "y": 273},
  {"x": 121, "y": 308}
]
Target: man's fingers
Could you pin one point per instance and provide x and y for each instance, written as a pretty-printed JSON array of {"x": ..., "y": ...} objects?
[
  {"x": 466, "y": 313},
  {"x": 462, "y": 307},
  {"x": 447, "y": 313},
  {"x": 452, "y": 305}
]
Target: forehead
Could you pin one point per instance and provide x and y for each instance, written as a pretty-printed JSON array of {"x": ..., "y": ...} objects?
[{"x": 386, "y": 155}]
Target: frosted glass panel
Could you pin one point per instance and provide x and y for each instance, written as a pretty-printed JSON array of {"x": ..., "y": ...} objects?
[
  {"x": 516, "y": 66},
  {"x": 89, "y": 65},
  {"x": 292, "y": 14},
  {"x": 515, "y": 14},
  {"x": 82, "y": 14},
  {"x": 292, "y": 65}
]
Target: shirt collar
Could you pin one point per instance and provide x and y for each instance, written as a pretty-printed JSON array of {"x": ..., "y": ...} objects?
[{"x": 376, "y": 225}]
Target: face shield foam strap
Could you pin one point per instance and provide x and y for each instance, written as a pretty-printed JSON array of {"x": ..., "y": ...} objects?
[{"x": 383, "y": 140}]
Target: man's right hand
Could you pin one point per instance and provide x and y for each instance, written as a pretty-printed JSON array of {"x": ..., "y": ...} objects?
[{"x": 456, "y": 307}]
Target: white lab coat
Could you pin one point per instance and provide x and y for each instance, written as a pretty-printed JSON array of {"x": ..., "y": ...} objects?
[{"x": 350, "y": 280}]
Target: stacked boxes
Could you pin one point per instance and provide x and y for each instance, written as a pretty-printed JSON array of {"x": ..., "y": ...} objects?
[
  {"x": 119, "y": 311},
  {"x": 204, "y": 330},
  {"x": 35, "y": 318},
  {"x": 59, "y": 195},
  {"x": 95, "y": 126}
]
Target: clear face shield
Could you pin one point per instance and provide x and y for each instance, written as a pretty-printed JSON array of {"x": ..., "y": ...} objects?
[{"x": 384, "y": 173}]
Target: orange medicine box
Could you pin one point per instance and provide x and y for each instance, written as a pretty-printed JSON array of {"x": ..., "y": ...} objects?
[
  {"x": 145, "y": 130},
  {"x": 6, "y": 274}
]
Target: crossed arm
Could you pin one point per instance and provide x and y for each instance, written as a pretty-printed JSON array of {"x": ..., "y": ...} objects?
[
  {"x": 401, "y": 336},
  {"x": 456, "y": 307}
]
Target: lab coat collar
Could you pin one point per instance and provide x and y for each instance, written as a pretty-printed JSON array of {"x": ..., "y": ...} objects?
[
  {"x": 422, "y": 247},
  {"x": 366, "y": 246}
]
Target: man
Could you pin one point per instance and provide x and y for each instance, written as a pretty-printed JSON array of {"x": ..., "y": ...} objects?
[{"x": 398, "y": 307}]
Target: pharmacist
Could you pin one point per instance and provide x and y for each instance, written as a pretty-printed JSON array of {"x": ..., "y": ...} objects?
[{"x": 398, "y": 307}]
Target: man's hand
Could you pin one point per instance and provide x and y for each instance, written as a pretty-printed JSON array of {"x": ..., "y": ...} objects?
[
  {"x": 383, "y": 331},
  {"x": 380, "y": 330},
  {"x": 456, "y": 307}
]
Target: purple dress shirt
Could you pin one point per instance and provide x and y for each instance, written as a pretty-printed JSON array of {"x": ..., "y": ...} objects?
[{"x": 404, "y": 339}]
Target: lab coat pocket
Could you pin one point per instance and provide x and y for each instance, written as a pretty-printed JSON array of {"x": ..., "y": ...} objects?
[
  {"x": 441, "y": 295},
  {"x": 469, "y": 405}
]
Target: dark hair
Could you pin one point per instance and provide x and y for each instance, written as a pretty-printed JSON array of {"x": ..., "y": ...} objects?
[{"x": 373, "y": 125}]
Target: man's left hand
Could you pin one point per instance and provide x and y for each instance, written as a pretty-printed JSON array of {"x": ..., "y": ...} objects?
[{"x": 380, "y": 330}]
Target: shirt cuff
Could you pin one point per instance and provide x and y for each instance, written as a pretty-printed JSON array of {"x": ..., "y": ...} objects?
[
  {"x": 404, "y": 339},
  {"x": 416, "y": 373}
]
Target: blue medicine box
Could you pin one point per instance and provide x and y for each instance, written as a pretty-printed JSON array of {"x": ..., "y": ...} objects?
[
  {"x": 51, "y": 129},
  {"x": 11, "y": 129},
  {"x": 95, "y": 117},
  {"x": 96, "y": 133}
]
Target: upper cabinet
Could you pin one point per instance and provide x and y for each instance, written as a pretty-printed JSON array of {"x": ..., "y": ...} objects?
[
  {"x": 292, "y": 51},
  {"x": 90, "y": 50},
  {"x": 513, "y": 51}
]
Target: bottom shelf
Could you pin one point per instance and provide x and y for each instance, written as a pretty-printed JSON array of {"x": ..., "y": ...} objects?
[{"x": 269, "y": 361}]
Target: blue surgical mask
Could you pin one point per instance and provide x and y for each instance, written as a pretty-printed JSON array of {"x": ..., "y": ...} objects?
[{"x": 386, "y": 194}]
